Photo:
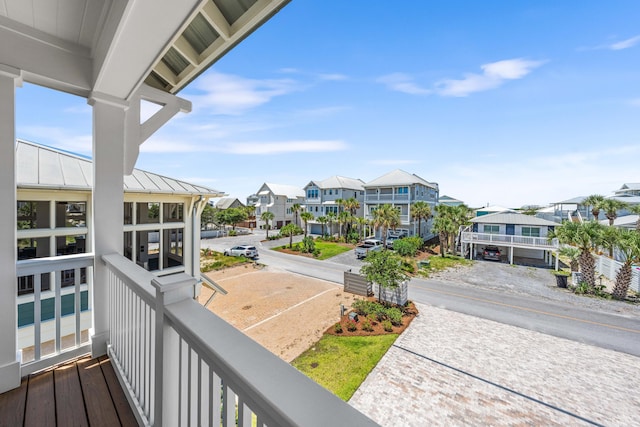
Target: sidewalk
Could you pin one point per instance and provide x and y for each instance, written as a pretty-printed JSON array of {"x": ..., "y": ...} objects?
[{"x": 451, "y": 369}]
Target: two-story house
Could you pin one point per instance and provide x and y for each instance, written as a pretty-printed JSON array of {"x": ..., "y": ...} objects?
[
  {"x": 402, "y": 189},
  {"x": 322, "y": 197},
  {"x": 279, "y": 199}
]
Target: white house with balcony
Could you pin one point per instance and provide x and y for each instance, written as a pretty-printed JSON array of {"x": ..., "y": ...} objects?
[
  {"x": 278, "y": 199},
  {"x": 518, "y": 235},
  {"x": 402, "y": 189},
  {"x": 161, "y": 232},
  {"x": 176, "y": 362},
  {"x": 321, "y": 197}
]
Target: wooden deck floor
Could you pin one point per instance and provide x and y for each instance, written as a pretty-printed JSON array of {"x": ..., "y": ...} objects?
[{"x": 84, "y": 392}]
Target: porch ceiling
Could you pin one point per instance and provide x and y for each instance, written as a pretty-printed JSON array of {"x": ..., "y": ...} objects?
[{"x": 113, "y": 46}]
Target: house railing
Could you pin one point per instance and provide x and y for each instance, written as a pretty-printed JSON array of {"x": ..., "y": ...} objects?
[
  {"x": 183, "y": 365},
  {"x": 386, "y": 197},
  {"x": 51, "y": 323},
  {"x": 509, "y": 240}
]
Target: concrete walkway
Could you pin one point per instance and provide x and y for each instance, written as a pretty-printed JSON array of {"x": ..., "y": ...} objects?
[{"x": 452, "y": 369}]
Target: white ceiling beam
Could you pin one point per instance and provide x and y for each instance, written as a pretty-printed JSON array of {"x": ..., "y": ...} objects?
[
  {"x": 140, "y": 31},
  {"x": 212, "y": 14},
  {"x": 45, "y": 60}
]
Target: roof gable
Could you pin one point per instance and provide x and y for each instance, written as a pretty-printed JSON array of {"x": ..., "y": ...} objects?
[{"x": 399, "y": 177}]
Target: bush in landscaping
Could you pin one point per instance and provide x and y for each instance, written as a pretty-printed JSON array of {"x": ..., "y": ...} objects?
[
  {"x": 233, "y": 233},
  {"x": 388, "y": 327},
  {"x": 366, "y": 326},
  {"x": 381, "y": 313},
  {"x": 316, "y": 252},
  {"x": 338, "y": 328},
  {"x": 395, "y": 316},
  {"x": 408, "y": 246},
  {"x": 308, "y": 245},
  {"x": 351, "y": 326},
  {"x": 364, "y": 307}
]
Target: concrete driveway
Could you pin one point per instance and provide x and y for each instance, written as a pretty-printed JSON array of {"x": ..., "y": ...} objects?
[{"x": 451, "y": 369}]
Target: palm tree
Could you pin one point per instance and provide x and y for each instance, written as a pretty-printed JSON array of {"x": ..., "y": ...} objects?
[
  {"x": 251, "y": 214},
  {"x": 344, "y": 217},
  {"x": 386, "y": 217},
  {"x": 459, "y": 217},
  {"x": 594, "y": 201},
  {"x": 443, "y": 225},
  {"x": 331, "y": 216},
  {"x": 611, "y": 207},
  {"x": 351, "y": 205},
  {"x": 362, "y": 224},
  {"x": 584, "y": 236},
  {"x": 635, "y": 209},
  {"x": 629, "y": 245},
  {"x": 421, "y": 211},
  {"x": 306, "y": 217},
  {"x": 323, "y": 220},
  {"x": 572, "y": 253},
  {"x": 266, "y": 217},
  {"x": 295, "y": 208}
]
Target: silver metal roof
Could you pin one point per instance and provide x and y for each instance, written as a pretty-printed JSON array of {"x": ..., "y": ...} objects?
[
  {"x": 399, "y": 177},
  {"x": 43, "y": 167}
]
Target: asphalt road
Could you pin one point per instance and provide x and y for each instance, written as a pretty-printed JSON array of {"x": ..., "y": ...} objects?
[{"x": 606, "y": 330}]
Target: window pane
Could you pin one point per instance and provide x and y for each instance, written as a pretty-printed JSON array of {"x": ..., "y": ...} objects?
[
  {"x": 128, "y": 245},
  {"x": 173, "y": 212},
  {"x": 148, "y": 213},
  {"x": 67, "y": 245},
  {"x": 32, "y": 214},
  {"x": 71, "y": 214},
  {"x": 148, "y": 246},
  {"x": 172, "y": 251},
  {"x": 128, "y": 212},
  {"x": 33, "y": 248}
]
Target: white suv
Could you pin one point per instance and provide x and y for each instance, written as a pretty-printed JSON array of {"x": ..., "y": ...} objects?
[{"x": 242, "y": 250}]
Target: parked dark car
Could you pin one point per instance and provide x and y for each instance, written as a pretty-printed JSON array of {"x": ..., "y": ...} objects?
[{"x": 492, "y": 253}]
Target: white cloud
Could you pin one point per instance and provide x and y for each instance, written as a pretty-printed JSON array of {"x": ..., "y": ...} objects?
[
  {"x": 401, "y": 82},
  {"x": 58, "y": 138},
  {"x": 393, "y": 162},
  {"x": 333, "y": 77},
  {"x": 494, "y": 74},
  {"x": 625, "y": 44},
  {"x": 230, "y": 94},
  {"x": 285, "y": 147},
  {"x": 243, "y": 148}
]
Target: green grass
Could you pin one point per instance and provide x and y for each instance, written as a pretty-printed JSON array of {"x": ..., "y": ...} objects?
[
  {"x": 330, "y": 249},
  {"x": 212, "y": 260},
  {"x": 438, "y": 263},
  {"x": 327, "y": 249},
  {"x": 342, "y": 363}
]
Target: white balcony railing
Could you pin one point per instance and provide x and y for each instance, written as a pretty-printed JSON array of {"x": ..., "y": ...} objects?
[
  {"x": 386, "y": 198},
  {"x": 509, "y": 240},
  {"x": 182, "y": 365},
  {"x": 54, "y": 323}
]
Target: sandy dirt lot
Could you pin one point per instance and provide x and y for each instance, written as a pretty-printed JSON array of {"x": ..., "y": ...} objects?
[{"x": 284, "y": 312}]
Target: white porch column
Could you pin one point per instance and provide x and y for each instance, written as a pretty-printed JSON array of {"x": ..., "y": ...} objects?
[
  {"x": 9, "y": 358},
  {"x": 109, "y": 120}
]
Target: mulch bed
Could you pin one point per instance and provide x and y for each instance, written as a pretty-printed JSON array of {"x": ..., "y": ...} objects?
[{"x": 410, "y": 312}]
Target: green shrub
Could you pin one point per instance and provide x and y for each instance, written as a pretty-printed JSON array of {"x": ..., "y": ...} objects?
[
  {"x": 366, "y": 326},
  {"x": 308, "y": 245},
  {"x": 351, "y": 326},
  {"x": 388, "y": 327},
  {"x": 365, "y": 308},
  {"x": 395, "y": 316},
  {"x": 233, "y": 233},
  {"x": 381, "y": 313},
  {"x": 338, "y": 328},
  {"x": 316, "y": 252},
  {"x": 352, "y": 237}
]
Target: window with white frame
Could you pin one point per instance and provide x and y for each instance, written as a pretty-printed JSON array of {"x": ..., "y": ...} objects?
[
  {"x": 491, "y": 229},
  {"x": 531, "y": 231}
]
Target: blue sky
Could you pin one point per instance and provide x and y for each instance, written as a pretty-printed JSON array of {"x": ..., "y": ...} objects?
[{"x": 506, "y": 103}]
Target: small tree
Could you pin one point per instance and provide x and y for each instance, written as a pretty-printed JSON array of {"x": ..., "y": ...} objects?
[
  {"x": 629, "y": 246},
  {"x": 306, "y": 217},
  {"x": 384, "y": 268},
  {"x": 289, "y": 231},
  {"x": 573, "y": 254},
  {"x": 266, "y": 217}
]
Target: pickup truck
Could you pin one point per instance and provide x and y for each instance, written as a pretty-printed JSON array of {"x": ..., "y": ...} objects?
[{"x": 366, "y": 246}]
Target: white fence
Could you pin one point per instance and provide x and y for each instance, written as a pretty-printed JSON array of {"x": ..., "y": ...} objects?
[
  {"x": 182, "y": 365},
  {"x": 41, "y": 342},
  {"x": 609, "y": 268}
]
